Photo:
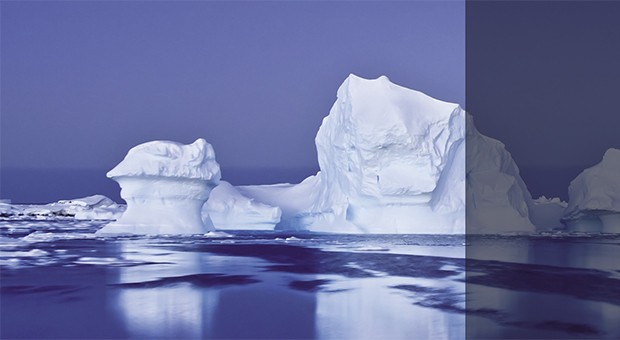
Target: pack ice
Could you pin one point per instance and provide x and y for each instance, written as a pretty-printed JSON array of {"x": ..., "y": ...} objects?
[
  {"x": 594, "y": 197},
  {"x": 165, "y": 185},
  {"x": 96, "y": 207}
]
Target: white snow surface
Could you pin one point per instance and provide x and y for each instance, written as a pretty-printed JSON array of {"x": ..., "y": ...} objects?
[
  {"x": 171, "y": 160},
  {"x": 594, "y": 197},
  {"x": 391, "y": 159},
  {"x": 165, "y": 185}
]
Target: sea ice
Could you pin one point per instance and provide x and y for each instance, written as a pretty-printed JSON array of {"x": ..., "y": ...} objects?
[
  {"x": 594, "y": 197},
  {"x": 95, "y": 207},
  {"x": 165, "y": 185}
]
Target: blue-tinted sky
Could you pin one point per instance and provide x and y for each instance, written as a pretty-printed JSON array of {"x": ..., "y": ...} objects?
[
  {"x": 84, "y": 81},
  {"x": 544, "y": 78}
]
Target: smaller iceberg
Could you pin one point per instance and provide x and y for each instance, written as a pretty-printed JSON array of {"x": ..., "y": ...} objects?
[
  {"x": 594, "y": 197},
  {"x": 165, "y": 185}
]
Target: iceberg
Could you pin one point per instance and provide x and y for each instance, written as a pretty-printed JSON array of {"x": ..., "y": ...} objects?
[
  {"x": 165, "y": 185},
  {"x": 498, "y": 200},
  {"x": 594, "y": 197},
  {"x": 227, "y": 208},
  {"x": 391, "y": 160}
]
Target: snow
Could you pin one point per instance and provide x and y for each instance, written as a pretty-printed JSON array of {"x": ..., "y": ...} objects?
[
  {"x": 165, "y": 185},
  {"x": 229, "y": 209},
  {"x": 594, "y": 197},
  {"x": 391, "y": 161}
]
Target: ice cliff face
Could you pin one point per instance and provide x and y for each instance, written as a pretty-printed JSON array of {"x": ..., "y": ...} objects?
[
  {"x": 497, "y": 199},
  {"x": 391, "y": 160},
  {"x": 165, "y": 185},
  {"x": 594, "y": 197}
]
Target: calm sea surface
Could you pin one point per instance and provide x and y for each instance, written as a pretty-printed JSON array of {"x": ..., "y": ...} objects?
[{"x": 60, "y": 281}]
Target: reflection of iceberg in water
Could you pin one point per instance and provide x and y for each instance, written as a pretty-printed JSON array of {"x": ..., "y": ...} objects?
[
  {"x": 168, "y": 312},
  {"x": 368, "y": 309},
  {"x": 203, "y": 295},
  {"x": 179, "y": 310}
]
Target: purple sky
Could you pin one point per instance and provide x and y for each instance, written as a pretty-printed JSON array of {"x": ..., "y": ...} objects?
[
  {"x": 84, "y": 81},
  {"x": 544, "y": 78}
]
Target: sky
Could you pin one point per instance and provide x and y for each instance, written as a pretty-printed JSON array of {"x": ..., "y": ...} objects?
[
  {"x": 544, "y": 78},
  {"x": 81, "y": 82},
  {"x": 84, "y": 81}
]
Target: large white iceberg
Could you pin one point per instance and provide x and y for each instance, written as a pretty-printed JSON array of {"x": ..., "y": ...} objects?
[
  {"x": 594, "y": 197},
  {"x": 165, "y": 185},
  {"x": 391, "y": 159}
]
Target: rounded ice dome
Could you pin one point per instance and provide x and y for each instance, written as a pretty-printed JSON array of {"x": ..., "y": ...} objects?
[{"x": 170, "y": 159}]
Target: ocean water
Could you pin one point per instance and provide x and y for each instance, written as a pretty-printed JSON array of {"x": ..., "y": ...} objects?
[{"x": 60, "y": 281}]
